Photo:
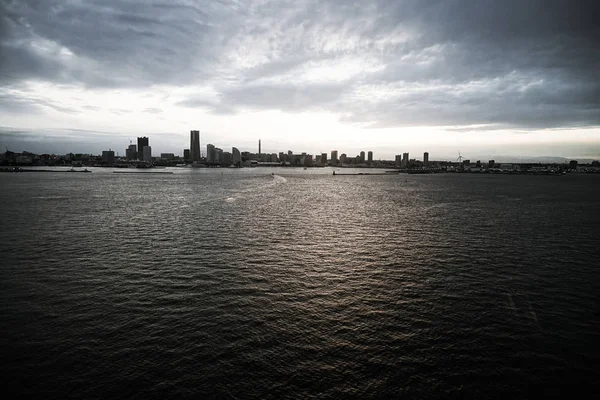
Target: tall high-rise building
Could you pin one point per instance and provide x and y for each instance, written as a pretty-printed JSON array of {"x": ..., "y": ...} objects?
[
  {"x": 334, "y": 157},
  {"x": 236, "y": 157},
  {"x": 259, "y": 153},
  {"x": 405, "y": 160},
  {"x": 226, "y": 158},
  {"x": 425, "y": 158},
  {"x": 398, "y": 159},
  {"x": 324, "y": 158},
  {"x": 362, "y": 157},
  {"x": 210, "y": 153},
  {"x": 147, "y": 154},
  {"x": 195, "y": 146},
  {"x": 141, "y": 143},
  {"x": 186, "y": 155},
  {"x": 370, "y": 157},
  {"x": 343, "y": 158}
]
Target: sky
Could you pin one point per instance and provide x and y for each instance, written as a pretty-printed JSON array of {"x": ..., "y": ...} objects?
[{"x": 483, "y": 77}]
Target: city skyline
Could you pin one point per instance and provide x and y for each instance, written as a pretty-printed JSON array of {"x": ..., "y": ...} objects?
[
  {"x": 507, "y": 78},
  {"x": 381, "y": 153}
]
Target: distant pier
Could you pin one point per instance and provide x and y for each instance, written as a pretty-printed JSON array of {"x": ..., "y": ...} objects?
[
  {"x": 359, "y": 173},
  {"x": 143, "y": 173},
  {"x": 42, "y": 170}
]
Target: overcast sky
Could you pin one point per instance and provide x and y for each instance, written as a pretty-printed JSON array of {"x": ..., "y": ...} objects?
[{"x": 483, "y": 77}]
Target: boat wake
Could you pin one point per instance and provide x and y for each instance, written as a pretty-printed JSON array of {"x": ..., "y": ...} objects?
[
  {"x": 279, "y": 179},
  {"x": 259, "y": 188}
]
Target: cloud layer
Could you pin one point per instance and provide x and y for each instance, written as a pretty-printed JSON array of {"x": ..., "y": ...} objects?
[{"x": 383, "y": 63}]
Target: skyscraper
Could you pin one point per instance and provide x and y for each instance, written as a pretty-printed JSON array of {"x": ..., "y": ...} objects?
[
  {"x": 236, "y": 157},
  {"x": 195, "y": 146},
  {"x": 425, "y": 158},
  {"x": 405, "y": 160},
  {"x": 362, "y": 157},
  {"x": 147, "y": 154},
  {"x": 141, "y": 143},
  {"x": 259, "y": 148},
  {"x": 370, "y": 157},
  {"x": 210, "y": 153},
  {"x": 324, "y": 158},
  {"x": 218, "y": 155},
  {"x": 226, "y": 158},
  {"x": 334, "y": 157}
]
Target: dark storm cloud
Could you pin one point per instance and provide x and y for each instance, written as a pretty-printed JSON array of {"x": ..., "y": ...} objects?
[
  {"x": 113, "y": 44},
  {"x": 511, "y": 63}
]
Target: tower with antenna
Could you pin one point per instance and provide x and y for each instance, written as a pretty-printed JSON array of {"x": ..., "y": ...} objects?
[{"x": 459, "y": 161}]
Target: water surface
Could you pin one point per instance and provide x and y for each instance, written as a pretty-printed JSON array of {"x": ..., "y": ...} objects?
[{"x": 287, "y": 283}]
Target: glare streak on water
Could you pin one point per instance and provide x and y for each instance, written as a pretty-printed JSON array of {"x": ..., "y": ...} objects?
[{"x": 298, "y": 284}]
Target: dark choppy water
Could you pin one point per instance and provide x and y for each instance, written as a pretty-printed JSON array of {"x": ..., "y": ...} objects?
[{"x": 239, "y": 284}]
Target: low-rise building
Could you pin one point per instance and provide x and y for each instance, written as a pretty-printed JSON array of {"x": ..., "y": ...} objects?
[{"x": 108, "y": 157}]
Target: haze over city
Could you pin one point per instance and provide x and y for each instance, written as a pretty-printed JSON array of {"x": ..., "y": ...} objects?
[{"x": 494, "y": 78}]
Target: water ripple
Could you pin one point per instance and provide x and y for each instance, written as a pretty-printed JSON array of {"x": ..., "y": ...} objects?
[{"x": 247, "y": 284}]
